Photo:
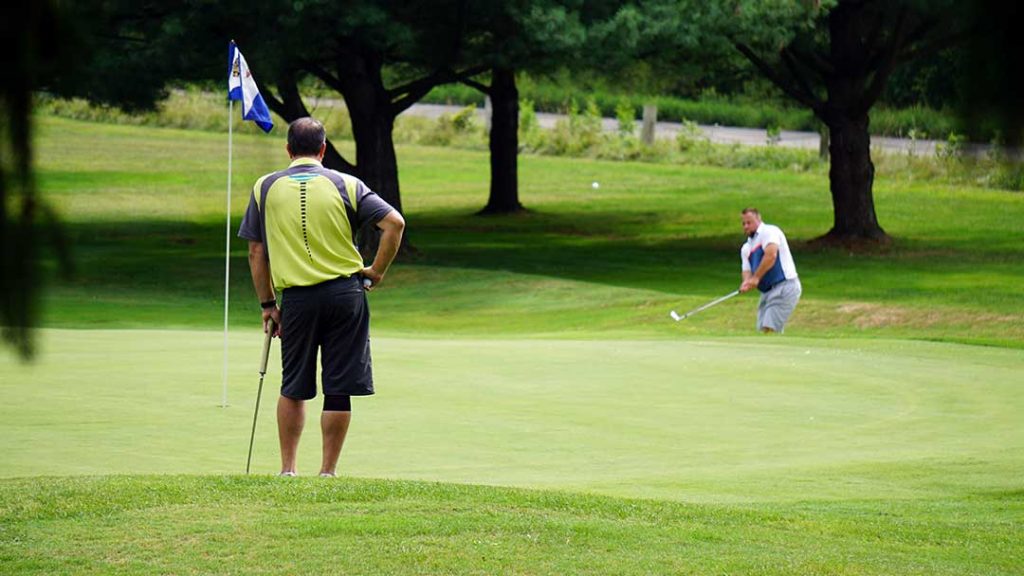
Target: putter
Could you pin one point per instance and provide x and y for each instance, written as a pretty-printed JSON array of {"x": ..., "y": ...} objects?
[
  {"x": 263, "y": 372},
  {"x": 677, "y": 317}
]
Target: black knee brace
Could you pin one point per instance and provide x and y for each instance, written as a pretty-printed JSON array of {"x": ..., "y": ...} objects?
[{"x": 337, "y": 403}]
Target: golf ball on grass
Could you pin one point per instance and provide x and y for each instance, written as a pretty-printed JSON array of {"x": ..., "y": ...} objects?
[{"x": 595, "y": 185}]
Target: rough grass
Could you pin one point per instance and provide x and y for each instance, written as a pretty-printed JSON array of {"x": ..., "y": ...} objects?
[{"x": 225, "y": 525}]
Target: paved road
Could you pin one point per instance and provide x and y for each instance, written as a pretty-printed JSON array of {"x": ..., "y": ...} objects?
[{"x": 716, "y": 134}]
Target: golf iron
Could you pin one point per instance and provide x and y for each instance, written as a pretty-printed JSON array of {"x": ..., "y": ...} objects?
[
  {"x": 677, "y": 317},
  {"x": 263, "y": 372}
]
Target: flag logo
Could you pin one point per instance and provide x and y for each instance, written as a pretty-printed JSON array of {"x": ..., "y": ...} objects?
[{"x": 242, "y": 86}]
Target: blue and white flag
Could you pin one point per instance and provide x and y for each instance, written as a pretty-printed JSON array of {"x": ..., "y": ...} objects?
[{"x": 242, "y": 86}]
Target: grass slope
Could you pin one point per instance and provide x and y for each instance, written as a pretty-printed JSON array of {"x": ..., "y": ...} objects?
[{"x": 233, "y": 525}]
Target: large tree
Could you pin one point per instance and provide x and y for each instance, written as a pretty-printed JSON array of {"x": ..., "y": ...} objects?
[
  {"x": 994, "y": 84},
  {"x": 381, "y": 56},
  {"x": 834, "y": 57},
  {"x": 508, "y": 37},
  {"x": 37, "y": 46}
]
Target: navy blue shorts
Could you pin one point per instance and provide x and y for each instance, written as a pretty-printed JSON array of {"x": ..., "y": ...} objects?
[{"x": 333, "y": 318}]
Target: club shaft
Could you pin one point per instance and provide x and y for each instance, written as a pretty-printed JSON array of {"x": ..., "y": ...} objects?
[
  {"x": 252, "y": 435},
  {"x": 259, "y": 393},
  {"x": 712, "y": 303}
]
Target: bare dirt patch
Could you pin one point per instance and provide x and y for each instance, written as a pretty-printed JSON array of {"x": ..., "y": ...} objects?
[{"x": 866, "y": 315}]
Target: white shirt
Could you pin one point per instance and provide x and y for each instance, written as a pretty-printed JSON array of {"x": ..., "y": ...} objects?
[{"x": 767, "y": 234}]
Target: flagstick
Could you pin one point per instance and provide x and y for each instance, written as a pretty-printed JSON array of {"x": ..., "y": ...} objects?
[{"x": 227, "y": 258}]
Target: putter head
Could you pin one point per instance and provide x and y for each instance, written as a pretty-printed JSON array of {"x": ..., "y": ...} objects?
[{"x": 675, "y": 316}]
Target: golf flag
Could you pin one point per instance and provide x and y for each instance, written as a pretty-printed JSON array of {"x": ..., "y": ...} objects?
[{"x": 242, "y": 86}]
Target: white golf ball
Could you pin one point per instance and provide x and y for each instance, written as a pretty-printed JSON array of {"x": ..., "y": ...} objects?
[{"x": 595, "y": 185}]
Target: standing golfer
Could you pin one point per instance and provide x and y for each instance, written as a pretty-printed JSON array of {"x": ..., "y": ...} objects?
[
  {"x": 768, "y": 266},
  {"x": 300, "y": 225}
]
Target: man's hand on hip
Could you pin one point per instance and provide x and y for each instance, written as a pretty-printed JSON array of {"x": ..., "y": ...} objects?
[{"x": 373, "y": 276}]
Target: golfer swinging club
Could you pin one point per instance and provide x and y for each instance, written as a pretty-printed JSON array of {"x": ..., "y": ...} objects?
[
  {"x": 768, "y": 265},
  {"x": 301, "y": 225}
]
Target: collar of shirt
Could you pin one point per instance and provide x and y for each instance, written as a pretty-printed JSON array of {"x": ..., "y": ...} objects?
[
  {"x": 756, "y": 232},
  {"x": 304, "y": 161}
]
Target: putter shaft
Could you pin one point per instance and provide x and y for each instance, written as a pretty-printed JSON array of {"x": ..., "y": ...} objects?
[{"x": 263, "y": 371}]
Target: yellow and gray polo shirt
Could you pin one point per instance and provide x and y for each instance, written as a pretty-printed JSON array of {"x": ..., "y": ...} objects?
[{"x": 306, "y": 216}]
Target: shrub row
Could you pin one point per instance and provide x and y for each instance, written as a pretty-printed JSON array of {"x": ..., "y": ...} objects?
[
  {"x": 578, "y": 134},
  {"x": 710, "y": 109}
]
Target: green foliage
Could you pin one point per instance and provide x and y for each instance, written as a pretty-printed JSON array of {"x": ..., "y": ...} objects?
[
  {"x": 190, "y": 109},
  {"x": 952, "y": 149},
  {"x": 448, "y": 128},
  {"x": 690, "y": 135},
  {"x": 578, "y": 135},
  {"x": 711, "y": 108},
  {"x": 953, "y": 166},
  {"x": 458, "y": 94},
  {"x": 625, "y": 113},
  {"x": 913, "y": 122},
  {"x": 1005, "y": 176},
  {"x": 531, "y": 136},
  {"x": 462, "y": 121}
]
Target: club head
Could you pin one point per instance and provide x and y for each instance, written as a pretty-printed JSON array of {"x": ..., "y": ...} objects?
[{"x": 675, "y": 316}]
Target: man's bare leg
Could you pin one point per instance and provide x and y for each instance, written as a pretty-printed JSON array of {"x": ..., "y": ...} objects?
[
  {"x": 291, "y": 416},
  {"x": 334, "y": 427}
]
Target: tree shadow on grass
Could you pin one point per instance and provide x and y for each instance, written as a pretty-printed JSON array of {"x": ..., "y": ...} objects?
[{"x": 180, "y": 265}]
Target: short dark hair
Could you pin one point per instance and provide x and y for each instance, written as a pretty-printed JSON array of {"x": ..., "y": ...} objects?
[
  {"x": 751, "y": 211},
  {"x": 306, "y": 136}
]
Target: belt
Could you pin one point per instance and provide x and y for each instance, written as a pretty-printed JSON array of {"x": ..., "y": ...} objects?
[
  {"x": 339, "y": 280},
  {"x": 780, "y": 283}
]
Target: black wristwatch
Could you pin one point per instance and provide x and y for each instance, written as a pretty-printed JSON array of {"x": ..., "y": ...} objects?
[{"x": 269, "y": 303}]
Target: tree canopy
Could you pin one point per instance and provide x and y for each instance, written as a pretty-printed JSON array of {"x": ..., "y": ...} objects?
[{"x": 835, "y": 58}]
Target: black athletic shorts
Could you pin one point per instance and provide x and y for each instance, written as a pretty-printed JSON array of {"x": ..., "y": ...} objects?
[{"x": 334, "y": 318}]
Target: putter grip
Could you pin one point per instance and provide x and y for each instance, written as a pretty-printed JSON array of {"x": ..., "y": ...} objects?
[{"x": 266, "y": 346}]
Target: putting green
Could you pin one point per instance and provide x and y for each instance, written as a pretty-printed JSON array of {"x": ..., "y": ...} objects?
[{"x": 741, "y": 419}]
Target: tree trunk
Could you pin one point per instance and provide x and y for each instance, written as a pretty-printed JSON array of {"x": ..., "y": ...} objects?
[
  {"x": 504, "y": 143},
  {"x": 851, "y": 173},
  {"x": 376, "y": 163},
  {"x": 372, "y": 128},
  {"x": 851, "y": 177}
]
